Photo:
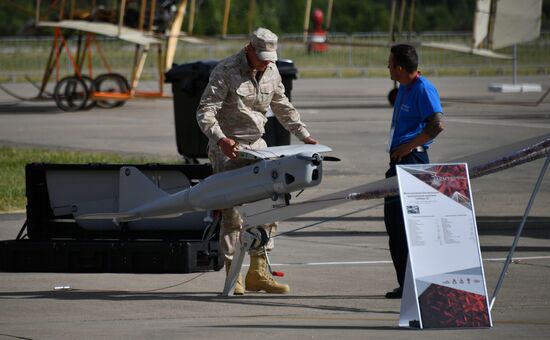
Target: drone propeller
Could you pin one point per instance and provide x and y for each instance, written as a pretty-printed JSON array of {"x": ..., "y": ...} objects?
[{"x": 316, "y": 158}]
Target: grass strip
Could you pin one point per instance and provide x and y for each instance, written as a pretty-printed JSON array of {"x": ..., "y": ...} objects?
[{"x": 13, "y": 161}]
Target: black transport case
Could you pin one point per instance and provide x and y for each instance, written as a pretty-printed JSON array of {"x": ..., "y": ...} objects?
[{"x": 52, "y": 241}]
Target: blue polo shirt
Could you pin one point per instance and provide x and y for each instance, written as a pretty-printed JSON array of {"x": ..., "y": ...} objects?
[{"x": 415, "y": 102}]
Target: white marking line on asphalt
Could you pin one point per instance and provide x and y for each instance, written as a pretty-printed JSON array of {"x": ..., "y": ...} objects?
[
  {"x": 388, "y": 262},
  {"x": 497, "y": 122},
  {"x": 331, "y": 263},
  {"x": 310, "y": 111},
  {"x": 520, "y": 258}
]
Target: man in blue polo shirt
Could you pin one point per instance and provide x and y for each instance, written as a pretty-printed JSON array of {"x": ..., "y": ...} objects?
[{"x": 416, "y": 121}]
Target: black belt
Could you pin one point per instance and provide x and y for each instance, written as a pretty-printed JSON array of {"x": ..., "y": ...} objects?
[{"x": 419, "y": 148}]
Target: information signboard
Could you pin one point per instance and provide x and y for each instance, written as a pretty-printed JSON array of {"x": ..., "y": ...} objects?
[{"x": 445, "y": 282}]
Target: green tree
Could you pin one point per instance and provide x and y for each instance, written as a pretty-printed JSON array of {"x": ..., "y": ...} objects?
[
  {"x": 14, "y": 16},
  {"x": 360, "y": 16},
  {"x": 444, "y": 15},
  {"x": 545, "y": 25},
  {"x": 287, "y": 16}
]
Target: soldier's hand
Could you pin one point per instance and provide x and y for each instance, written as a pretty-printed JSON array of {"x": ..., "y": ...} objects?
[
  {"x": 309, "y": 140},
  {"x": 228, "y": 147}
]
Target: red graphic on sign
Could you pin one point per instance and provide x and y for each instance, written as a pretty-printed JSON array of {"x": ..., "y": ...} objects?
[
  {"x": 450, "y": 180},
  {"x": 444, "y": 307}
]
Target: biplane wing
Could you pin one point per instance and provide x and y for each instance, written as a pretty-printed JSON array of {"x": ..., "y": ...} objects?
[
  {"x": 106, "y": 29},
  {"x": 466, "y": 49}
]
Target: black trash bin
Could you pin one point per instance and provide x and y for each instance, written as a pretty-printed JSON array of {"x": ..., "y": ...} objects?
[
  {"x": 275, "y": 133},
  {"x": 188, "y": 84}
]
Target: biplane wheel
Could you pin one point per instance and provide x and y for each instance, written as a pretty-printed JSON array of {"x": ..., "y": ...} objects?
[
  {"x": 111, "y": 82},
  {"x": 71, "y": 94},
  {"x": 392, "y": 95},
  {"x": 90, "y": 86}
]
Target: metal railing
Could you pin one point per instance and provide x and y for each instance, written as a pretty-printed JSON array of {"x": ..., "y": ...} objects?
[{"x": 357, "y": 54}]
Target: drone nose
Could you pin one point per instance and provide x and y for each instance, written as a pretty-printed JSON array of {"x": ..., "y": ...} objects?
[{"x": 316, "y": 159}]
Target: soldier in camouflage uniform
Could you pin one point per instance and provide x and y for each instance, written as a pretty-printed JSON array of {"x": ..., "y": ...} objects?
[{"x": 232, "y": 114}]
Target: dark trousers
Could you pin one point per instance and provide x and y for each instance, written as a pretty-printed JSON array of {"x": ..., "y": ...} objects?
[{"x": 393, "y": 218}]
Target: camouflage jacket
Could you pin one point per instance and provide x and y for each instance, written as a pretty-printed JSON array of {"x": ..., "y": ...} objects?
[{"x": 234, "y": 104}]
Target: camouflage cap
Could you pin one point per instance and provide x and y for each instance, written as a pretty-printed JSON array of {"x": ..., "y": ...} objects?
[{"x": 265, "y": 43}]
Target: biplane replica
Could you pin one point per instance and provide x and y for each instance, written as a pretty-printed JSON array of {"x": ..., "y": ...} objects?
[
  {"x": 148, "y": 24},
  {"x": 144, "y": 24}
]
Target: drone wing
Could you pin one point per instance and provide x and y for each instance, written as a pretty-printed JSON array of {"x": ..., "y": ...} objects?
[
  {"x": 281, "y": 151},
  {"x": 479, "y": 164}
]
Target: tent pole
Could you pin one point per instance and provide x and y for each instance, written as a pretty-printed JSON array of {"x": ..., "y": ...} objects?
[{"x": 518, "y": 233}]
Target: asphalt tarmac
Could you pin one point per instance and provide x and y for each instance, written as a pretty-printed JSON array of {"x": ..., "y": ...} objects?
[{"x": 337, "y": 264}]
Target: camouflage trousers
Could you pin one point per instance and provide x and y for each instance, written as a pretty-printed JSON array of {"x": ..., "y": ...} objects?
[{"x": 231, "y": 222}]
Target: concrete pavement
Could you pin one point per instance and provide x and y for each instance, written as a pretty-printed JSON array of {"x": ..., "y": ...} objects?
[{"x": 338, "y": 270}]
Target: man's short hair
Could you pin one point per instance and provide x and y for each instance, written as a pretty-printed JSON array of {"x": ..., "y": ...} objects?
[{"x": 405, "y": 56}]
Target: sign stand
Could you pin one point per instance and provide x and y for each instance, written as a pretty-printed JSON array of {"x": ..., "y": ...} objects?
[
  {"x": 410, "y": 313},
  {"x": 445, "y": 282}
]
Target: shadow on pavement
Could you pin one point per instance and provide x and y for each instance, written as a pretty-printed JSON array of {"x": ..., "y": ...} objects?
[
  {"x": 313, "y": 327},
  {"x": 257, "y": 299},
  {"x": 29, "y": 109},
  {"x": 535, "y": 227}
]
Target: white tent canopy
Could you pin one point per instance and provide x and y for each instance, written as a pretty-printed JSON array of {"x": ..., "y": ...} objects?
[
  {"x": 516, "y": 22},
  {"x": 481, "y": 21}
]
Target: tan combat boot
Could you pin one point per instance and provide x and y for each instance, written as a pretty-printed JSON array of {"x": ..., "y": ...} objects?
[
  {"x": 239, "y": 289},
  {"x": 259, "y": 278}
]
